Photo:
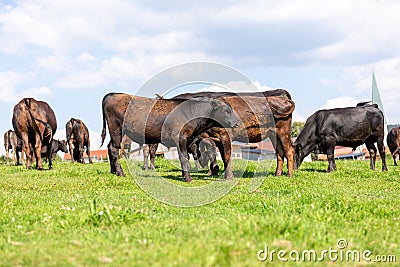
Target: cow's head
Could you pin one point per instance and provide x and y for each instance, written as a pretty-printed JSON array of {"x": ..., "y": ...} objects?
[
  {"x": 223, "y": 114},
  {"x": 62, "y": 146},
  {"x": 299, "y": 154},
  {"x": 207, "y": 151}
]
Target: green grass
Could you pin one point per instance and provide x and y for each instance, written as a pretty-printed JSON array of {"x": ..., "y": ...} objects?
[{"x": 80, "y": 215}]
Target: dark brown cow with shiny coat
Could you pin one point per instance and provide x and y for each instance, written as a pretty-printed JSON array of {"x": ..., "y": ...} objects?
[
  {"x": 173, "y": 122},
  {"x": 253, "y": 113},
  {"x": 78, "y": 140},
  {"x": 35, "y": 123},
  {"x": 393, "y": 142}
]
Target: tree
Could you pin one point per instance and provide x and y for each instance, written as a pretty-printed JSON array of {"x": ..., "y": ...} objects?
[{"x": 297, "y": 126}]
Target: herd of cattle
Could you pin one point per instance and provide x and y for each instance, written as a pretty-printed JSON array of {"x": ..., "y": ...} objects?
[{"x": 197, "y": 124}]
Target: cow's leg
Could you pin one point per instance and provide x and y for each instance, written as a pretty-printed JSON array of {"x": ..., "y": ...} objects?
[
  {"x": 214, "y": 168},
  {"x": 146, "y": 150},
  {"x": 7, "y": 156},
  {"x": 279, "y": 152},
  {"x": 372, "y": 153},
  {"x": 284, "y": 148},
  {"x": 88, "y": 150},
  {"x": 27, "y": 150},
  {"x": 80, "y": 149},
  {"x": 49, "y": 154},
  {"x": 113, "y": 158},
  {"x": 225, "y": 150},
  {"x": 71, "y": 150},
  {"x": 330, "y": 152},
  {"x": 382, "y": 154},
  {"x": 184, "y": 159},
  {"x": 152, "y": 152},
  {"x": 37, "y": 151},
  {"x": 17, "y": 156},
  {"x": 13, "y": 156}
]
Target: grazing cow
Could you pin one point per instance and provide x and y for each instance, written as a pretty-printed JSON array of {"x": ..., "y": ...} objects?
[
  {"x": 276, "y": 103},
  {"x": 78, "y": 139},
  {"x": 173, "y": 122},
  {"x": 393, "y": 142},
  {"x": 56, "y": 145},
  {"x": 35, "y": 123},
  {"x": 205, "y": 150},
  {"x": 351, "y": 127},
  {"x": 10, "y": 143}
]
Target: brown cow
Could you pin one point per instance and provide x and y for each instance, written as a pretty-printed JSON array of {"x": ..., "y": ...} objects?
[
  {"x": 78, "y": 139},
  {"x": 276, "y": 101},
  {"x": 35, "y": 123},
  {"x": 10, "y": 143},
  {"x": 393, "y": 142},
  {"x": 173, "y": 122}
]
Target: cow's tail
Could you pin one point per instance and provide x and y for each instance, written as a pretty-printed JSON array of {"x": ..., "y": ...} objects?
[
  {"x": 45, "y": 124},
  {"x": 103, "y": 132}
]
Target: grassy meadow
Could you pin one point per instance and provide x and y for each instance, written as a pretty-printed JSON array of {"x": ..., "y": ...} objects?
[{"x": 81, "y": 215}]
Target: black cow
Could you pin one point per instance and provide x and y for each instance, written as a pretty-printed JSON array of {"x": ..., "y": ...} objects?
[
  {"x": 205, "y": 151},
  {"x": 393, "y": 142},
  {"x": 56, "y": 145},
  {"x": 78, "y": 139},
  {"x": 351, "y": 127},
  {"x": 173, "y": 122},
  {"x": 35, "y": 123}
]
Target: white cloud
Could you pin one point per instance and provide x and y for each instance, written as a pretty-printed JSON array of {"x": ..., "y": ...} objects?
[
  {"x": 9, "y": 82},
  {"x": 53, "y": 63},
  {"x": 341, "y": 102},
  {"x": 86, "y": 57}
]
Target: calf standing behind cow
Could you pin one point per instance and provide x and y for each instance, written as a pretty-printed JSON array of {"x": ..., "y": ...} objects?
[
  {"x": 173, "y": 122},
  {"x": 78, "y": 139},
  {"x": 351, "y": 127},
  {"x": 11, "y": 143},
  {"x": 35, "y": 124},
  {"x": 393, "y": 142}
]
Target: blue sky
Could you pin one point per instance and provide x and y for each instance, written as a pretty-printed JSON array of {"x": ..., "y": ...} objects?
[{"x": 71, "y": 53}]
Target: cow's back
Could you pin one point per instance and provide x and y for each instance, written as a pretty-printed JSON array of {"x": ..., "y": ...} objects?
[{"x": 349, "y": 124}]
